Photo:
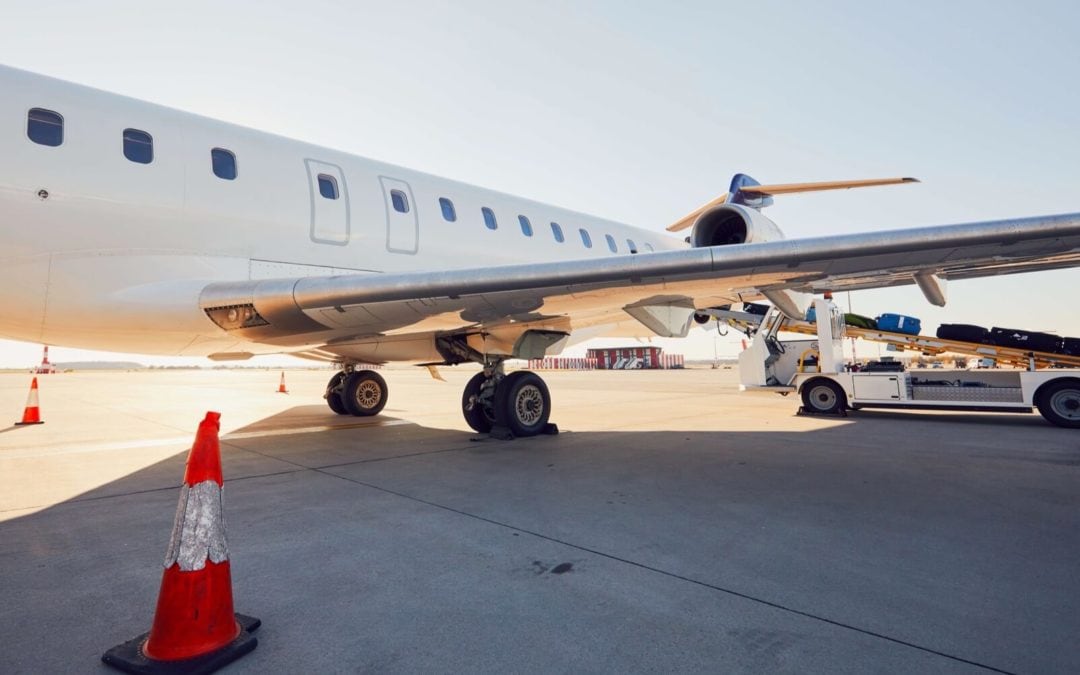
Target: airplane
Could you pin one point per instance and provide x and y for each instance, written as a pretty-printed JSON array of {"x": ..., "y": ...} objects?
[{"x": 128, "y": 226}]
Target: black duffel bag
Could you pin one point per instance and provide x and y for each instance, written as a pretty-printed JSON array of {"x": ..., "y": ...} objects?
[
  {"x": 1023, "y": 339},
  {"x": 963, "y": 332}
]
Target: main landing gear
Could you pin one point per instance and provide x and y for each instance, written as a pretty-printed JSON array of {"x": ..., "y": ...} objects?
[
  {"x": 518, "y": 402},
  {"x": 356, "y": 392}
]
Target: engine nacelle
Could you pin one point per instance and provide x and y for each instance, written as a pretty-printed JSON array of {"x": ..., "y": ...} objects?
[{"x": 733, "y": 224}]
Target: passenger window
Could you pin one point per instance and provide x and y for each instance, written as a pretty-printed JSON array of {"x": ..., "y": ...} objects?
[
  {"x": 489, "y": 218},
  {"x": 611, "y": 243},
  {"x": 400, "y": 201},
  {"x": 631, "y": 245},
  {"x": 45, "y": 127},
  {"x": 448, "y": 211},
  {"x": 328, "y": 186},
  {"x": 556, "y": 230},
  {"x": 649, "y": 248},
  {"x": 526, "y": 226},
  {"x": 224, "y": 163},
  {"x": 138, "y": 146},
  {"x": 585, "y": 238}
]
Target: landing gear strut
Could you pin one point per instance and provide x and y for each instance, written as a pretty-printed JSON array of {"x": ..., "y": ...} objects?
[
  {"x": 361, "y": 393},
  {"x": 519, "y": 402}
]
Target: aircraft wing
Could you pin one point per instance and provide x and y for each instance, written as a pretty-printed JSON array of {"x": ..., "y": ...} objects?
[{"x": 659, "y": 290}]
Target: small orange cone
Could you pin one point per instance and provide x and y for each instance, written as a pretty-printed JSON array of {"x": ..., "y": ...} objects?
[
  {"x": 195, "y": 628},
  {"x": 281, "y": 387},
  {"x": 32, "y": 412}
]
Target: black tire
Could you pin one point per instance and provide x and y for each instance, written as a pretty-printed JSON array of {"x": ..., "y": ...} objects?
[
  {"x": 522, "y": 403},
  {"x": 333, "y": 394},
  {"x": 478, "y": 416},
  {"x": 821, "y": 396},
  {"x": 364, "y": 393},
  {"x": 1059, "y": 402}
]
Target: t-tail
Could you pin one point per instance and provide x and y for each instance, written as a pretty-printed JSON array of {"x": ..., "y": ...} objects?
[{"x": 746, "y": 191}]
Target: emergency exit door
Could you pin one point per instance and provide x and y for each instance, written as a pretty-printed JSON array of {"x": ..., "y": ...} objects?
[
  {"x": 402, "y": 224},
  {"x": 329, "y": 203}
]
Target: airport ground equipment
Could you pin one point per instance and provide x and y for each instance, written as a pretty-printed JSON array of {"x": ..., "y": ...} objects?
[
  {"x": 815, "y": 369},
  {"x": 195, "y": 629},
  {"x": 32, "y": 411}
]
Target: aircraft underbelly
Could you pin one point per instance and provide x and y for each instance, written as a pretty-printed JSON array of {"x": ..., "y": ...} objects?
[{"x": 133, "y": 301}]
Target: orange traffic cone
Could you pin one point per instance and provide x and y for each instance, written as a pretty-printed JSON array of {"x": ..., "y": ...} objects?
[
  {"x": 32, "y": 412},
  {"x": 195, "y": 628},
  {"x": 281, "y": 387}
]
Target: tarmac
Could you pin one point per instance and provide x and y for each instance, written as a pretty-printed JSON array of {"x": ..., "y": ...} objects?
[{"x": 674, "y": 525}]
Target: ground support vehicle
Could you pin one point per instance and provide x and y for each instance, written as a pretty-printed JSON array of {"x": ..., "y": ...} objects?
[{"x": 815, "y": 369}]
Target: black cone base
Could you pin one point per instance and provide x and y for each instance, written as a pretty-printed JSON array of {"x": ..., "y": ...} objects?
[{"x": 129, "y": 656}]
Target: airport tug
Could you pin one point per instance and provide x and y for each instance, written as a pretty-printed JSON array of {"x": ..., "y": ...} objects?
[{"x": 816, "y": 370}]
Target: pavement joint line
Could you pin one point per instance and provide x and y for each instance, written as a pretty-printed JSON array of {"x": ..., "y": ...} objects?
[
  {"x": 186, "y": 440},
  {"x": 299, "y": 468},
  {"x": 680, "y": 577}
]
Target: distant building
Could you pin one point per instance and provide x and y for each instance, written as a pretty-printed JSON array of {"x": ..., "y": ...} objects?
[{"x": 633, "y": 358}]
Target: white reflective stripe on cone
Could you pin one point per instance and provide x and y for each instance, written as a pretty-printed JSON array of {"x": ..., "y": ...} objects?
[{"x": 198, "y": 531}]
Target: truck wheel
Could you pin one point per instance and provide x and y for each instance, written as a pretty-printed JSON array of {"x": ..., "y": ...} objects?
[
  {"x": 823, "y": 397},
  {"x": 1059, "y": 403}
]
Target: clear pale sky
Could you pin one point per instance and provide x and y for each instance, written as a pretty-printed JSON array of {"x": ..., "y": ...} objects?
[{"x": 637, "y": 112}]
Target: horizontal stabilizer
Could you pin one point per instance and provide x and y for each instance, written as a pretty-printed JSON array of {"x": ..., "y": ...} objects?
[
  {"x": 791, "y": 188},
  {"x": 783, "y": 189}
]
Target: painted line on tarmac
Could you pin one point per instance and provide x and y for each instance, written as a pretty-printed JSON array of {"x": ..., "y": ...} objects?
[{"x": 186, "y": 440}]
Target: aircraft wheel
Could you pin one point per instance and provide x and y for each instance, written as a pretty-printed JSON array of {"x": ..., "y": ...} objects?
[
  {"x": 823, "y": 397},
  {"x": 364, "y": 393},
  {"x": 1059, "y": 403},
  {"x": 522, "y": 403},
  {"x": 476, "y": 404},
  {"x": 333, "y": 394}
]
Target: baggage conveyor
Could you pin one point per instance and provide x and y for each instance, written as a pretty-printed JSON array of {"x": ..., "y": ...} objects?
[
  {"x": 924, "y": 344},
  {"x": 935, "y": 346}
]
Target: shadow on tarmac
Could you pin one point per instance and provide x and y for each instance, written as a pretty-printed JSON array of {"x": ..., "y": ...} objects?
[{"x": 381, "y": 544}]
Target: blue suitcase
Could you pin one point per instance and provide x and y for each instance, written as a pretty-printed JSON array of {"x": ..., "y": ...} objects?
[{"x": 898, "y": 323}]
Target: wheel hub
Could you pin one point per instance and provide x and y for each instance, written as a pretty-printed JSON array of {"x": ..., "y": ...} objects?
[
  {"x": 824, "y": 396},
  {"x": 1066, "y": 404},
  {"x": 368, "y": 394},
  {"x": 529, "y": 405}
]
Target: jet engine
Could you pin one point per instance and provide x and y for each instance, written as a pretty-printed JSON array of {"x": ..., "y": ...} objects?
[{"x": 733, "y": 224}]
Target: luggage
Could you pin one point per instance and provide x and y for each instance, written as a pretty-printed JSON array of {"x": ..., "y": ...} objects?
[
  {"x": 1070, "y": 346},
  {"x": 755, "y": 308},
  {"x": 963, "y": 332},
  {"x": 1023, "y": 339},
  {"x": 860, "y": 321},
  {"x": 898, "y": 323}
]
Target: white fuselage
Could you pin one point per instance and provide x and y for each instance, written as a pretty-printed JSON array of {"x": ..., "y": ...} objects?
[{"x": 101, "y": 252}]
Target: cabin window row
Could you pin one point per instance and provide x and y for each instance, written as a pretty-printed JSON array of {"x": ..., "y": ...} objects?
[
  {"x": 46, "y": 127},
  {"x": 449, "y": 213}
]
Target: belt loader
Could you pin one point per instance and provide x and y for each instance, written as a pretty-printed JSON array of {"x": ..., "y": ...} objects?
[{"x": 815, "y": 369}]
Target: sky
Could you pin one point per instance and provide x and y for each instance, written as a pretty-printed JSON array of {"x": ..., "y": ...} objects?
[{"x": 635, "y": 111}]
